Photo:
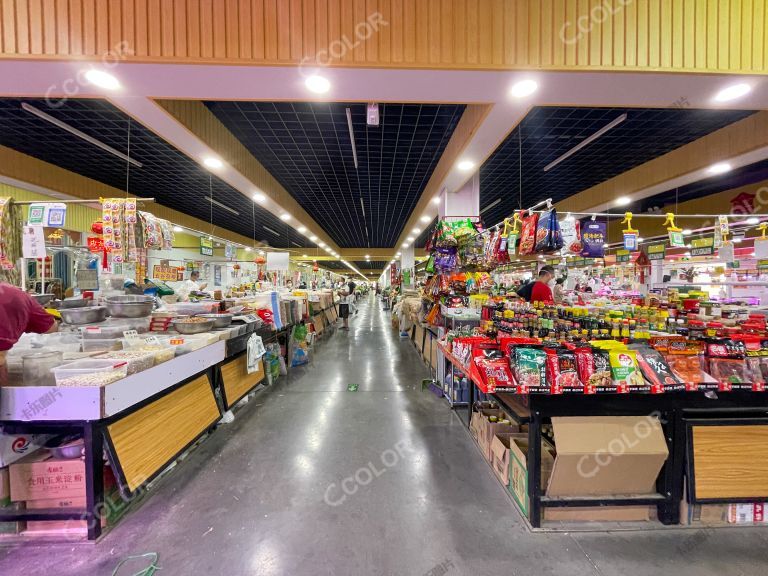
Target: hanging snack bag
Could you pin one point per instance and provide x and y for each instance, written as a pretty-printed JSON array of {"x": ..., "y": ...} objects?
[
  {"x": 543, "y": 233},
  {"x": 727, "y": 364},
  {"x": 528, "y": 234}
]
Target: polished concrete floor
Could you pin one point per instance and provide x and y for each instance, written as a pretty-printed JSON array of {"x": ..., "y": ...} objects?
[{"x": 313, "y": 479}]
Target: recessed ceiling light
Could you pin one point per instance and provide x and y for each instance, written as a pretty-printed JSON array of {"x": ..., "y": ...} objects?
[
  {"x": 623, "y": 200},
  {"x": 313, "y": 238},
  {"x": 247, "y": 248},
  {"x": 733, "y": 92},
  {"x": 261, "y": 252},
  {"x": 737, "y": 240},
  {"x": 524, "y": 88},
  {"x": 259, "y": 197},
  {"x": 301, "y": 229},
  {"x": 426, "y": 219},
  {"x": 304, "y": 256},
  {"x": 687, "y": 232},
  {"x": 367, "y": 255},
  {"x": 465, "y": 165},
  {"x": 410, "y": 238},
  {"x": 317, "y": 84},
  {"x": 416, "y": 230},
  {"x": 436, "y": 200},
  {"x": 753, "y": 221},
  {"x": 399, "y": 254},
  {"x": 321, "y": 244},
  {"x": 719, "y": 168},
  {"x": 640, "y": 240},
  {"x": 212, "y": 162},
  {"x": 177, "y": 228},
  {"x": 285, "y": 217},
  {"x": 102, "y": 79}
]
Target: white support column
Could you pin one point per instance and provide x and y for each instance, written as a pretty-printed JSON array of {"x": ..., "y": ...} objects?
[{"x": 463, "y": 202}]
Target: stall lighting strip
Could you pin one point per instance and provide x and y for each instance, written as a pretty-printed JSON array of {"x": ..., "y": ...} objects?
[{"x": 82, "y": 135}]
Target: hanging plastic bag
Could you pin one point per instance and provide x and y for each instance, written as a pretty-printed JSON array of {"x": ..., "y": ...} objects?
[{"x": 255, "y": 351}]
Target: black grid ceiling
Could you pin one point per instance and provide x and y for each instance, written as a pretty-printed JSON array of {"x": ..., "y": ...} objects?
[
  {"x": 546, "y": 133},
  {"x": 307, "y": 147},
  {"x": 169, "y": 176},
  {"x": 363, "y": 265}
]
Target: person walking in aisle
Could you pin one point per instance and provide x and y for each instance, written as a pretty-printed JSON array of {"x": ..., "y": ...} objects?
[{"x": 345, "y": 303}]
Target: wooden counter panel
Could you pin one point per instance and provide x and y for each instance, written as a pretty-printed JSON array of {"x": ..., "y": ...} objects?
[
  {"x": 146, "y": 440},
  {"x": 731, "y": 461},
  {"x": 237, "y": 381}
]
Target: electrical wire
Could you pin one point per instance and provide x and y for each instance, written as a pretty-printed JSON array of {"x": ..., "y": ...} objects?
[{"x": 148, "y": 571}]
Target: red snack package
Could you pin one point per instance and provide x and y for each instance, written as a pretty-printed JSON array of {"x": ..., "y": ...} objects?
[
  {"x": 585, "y": 366},
  {"x": 528, "y": 234},
  {"x": 561, "y": 371},
  {"x": 656, "y": 370},
  {"x": 728, "y": 366},
  {"x": 495, "y": 375}
]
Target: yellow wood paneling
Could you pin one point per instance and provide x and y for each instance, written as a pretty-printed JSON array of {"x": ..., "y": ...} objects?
[
  {"x": 237, "y": 381},
  {"x": 671, "y": 35},
  {"x": 147, "y": 439},
  {"x": 731, "y": 461}
]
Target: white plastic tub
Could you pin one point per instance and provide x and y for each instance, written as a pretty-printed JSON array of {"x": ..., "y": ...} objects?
[{"x": 90, "y": 372}]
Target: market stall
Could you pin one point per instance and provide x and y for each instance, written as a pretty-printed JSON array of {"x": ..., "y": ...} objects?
[{"x": 619, "y": 402}]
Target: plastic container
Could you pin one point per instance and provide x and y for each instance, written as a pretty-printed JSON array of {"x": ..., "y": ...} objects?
[
  {"x": 184, "y": 344},
  {"x": 36, "y": 367},
  {"x": 90, "y": 372},
  {"x": 114, "y": 328},
  {"x": 138, "y": 360},
  {"x": 193, "y": 308},
  {"x": 101, "y": 344}
]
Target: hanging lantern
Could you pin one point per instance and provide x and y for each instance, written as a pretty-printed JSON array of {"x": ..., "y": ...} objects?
[
  {"x": 236, "y": 267},
  {"x": 315, "y": 267},
  {"x": 97, "y": 227},
  {"x": 260, "y": 260}
]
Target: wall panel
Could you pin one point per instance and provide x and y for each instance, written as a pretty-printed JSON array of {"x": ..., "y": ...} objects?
[{"x": 671, "y": 35}]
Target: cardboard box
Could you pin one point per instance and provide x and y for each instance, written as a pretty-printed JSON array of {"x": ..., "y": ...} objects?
[
  {"x": 598, "y": 514},
  {"x": 518, "y": 468},
  {"x": 603, "y": 456},
  {"x": 13, "y": 527},
  {"x": 58, "y": 526},
  {"x": 5, "y": 487},
  {"x": 747, "y": 513},
  {"x": 478, "y": 420},
  {"x": 489, "y": 432},
  {"x": 14, "y": 447},
  {"x": 40, "y": 477},
  {"x": 501, "y": 454}
]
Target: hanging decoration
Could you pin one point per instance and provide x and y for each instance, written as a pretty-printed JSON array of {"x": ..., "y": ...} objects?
[
  {"x": 630, "y": 234},
  {"x": 676, "y": 239}
]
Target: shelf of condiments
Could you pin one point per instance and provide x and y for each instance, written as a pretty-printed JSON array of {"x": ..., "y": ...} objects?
[{"x": 573, "y": 323}]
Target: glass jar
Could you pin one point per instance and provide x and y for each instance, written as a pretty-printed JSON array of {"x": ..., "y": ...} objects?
[{"x": 36, "y": 367}]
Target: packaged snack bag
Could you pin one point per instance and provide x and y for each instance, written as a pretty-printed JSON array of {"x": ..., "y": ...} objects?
[
  {"x": 585, "y": 365},
  {"x": 601, "y": 379},
  {"x": 531, "y": 371},
  {"x": 528, "y": 234},
  {"x": 624, "y": 370},
  {"x": 495, "y": 374},
  {"x": 562, "y": 375},
  {"x": 656, "y": 370},
  {"x": 727, "y": 364},
  {"x": 686, "y": 360}
]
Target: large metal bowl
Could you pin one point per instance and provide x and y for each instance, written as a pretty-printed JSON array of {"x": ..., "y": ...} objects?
[
  {"x": 84, "y": 315},
  {"x": 192, "y": 327},
  {"x": 219, "y": 320},
  {"x": 73, "y": 303},
  {"x": 43, "y": 299},
  {"x": 129, "y": 306}
]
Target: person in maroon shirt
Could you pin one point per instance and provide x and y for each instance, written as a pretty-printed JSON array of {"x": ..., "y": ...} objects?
[
  {"x": 19, "y": 313},
  {"x": 542, "y": 292}
]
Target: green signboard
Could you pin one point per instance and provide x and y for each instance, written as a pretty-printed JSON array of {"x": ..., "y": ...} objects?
[
  {"x": 623, "y": 255},
  {"x": 703, "y": 246},
  {"x": 762, "y": 264},
  {"x": 206, "y": 246},
  {"x": 656, "y": 251}
]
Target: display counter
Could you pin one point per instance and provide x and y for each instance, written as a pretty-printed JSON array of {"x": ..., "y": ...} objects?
[
  {"x": 716, "y": 446},
  {"x": 144, "y": 421}
]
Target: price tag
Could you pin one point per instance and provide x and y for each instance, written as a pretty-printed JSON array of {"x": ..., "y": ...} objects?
[
  {"x": 132, "y": 338},
  {"x": 152, "y": 341},
  {"x": 177, "y": 341},
  {"x": 93, "y": 329}
]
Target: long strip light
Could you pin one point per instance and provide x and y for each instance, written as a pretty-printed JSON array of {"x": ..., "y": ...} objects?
[
  {"x": 268, "y": 229},
  {"x": 82, "y": 135},
  {"x": 587, "y": 141},
  {"x": 352, "y": 136},
  {"x": 491, "y": 205},
  {"x": 222, "y": 206}
]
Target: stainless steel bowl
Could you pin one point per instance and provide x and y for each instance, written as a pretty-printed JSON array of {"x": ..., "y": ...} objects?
[
  {"x": 84, "y": 315},
  {"x": 129, "y": 306},
  {"x": 219, "y": 320},
  {"x": 43, "y": 299},
  {"x": 69, "y": 451},
  {"x": 73, "y": 303},
  {"x": 192, "y": 327}
]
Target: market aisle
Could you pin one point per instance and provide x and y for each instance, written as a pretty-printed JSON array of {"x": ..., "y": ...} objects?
[{"x": 315, "y": 479}]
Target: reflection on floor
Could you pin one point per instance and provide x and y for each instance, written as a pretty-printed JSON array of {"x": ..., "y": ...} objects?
[{"x": 313, "y": 479}]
